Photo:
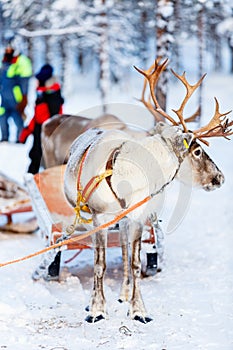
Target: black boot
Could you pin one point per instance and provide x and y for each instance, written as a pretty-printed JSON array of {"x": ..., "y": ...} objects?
[{"x": 54, "y": 267}]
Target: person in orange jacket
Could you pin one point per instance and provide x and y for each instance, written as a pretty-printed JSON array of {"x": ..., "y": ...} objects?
[{"x": 49, "y": 102}]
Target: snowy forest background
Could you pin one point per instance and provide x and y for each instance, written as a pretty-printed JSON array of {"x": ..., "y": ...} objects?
[
  {"x": 93, "y": 45},
  {"x": 108, "y": 37}
]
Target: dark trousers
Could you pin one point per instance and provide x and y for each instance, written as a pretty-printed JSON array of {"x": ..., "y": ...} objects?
[
  {"x": 16, "y": 116},
  {"x": 35, "y": 153}
]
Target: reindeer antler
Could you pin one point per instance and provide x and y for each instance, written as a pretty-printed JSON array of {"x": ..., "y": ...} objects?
[
  {"x": 152, "y": 76},
  {"x": 218, "y": 125},
  {"x": 189, "y": 91},
  {"x": 148, "y": 103},
  {"x": 194, "y": 117}
]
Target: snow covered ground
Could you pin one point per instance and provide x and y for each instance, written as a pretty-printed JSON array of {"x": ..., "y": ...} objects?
[{"x": 190, "y": 301}]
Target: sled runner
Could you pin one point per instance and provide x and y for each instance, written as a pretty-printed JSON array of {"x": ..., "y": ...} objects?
[{"x": 54, "y": 215}]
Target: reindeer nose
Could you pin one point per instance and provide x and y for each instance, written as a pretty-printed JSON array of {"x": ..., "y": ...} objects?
[{"x": 218, "y": 180}]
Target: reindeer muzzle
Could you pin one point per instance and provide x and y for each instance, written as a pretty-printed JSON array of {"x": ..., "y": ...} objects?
[{"x": 216, "y": 182}]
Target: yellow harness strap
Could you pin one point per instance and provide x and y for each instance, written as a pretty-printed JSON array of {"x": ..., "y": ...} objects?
[
  {"x": 81, "y": 204},
  {"x": 84, "y": 194}
]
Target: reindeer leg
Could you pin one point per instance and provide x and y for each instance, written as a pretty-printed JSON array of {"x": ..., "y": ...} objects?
[
  {"x": 98, "y": 304},
  {"x": 137, "y": 310},
  {"x": 125, "y": 288}
]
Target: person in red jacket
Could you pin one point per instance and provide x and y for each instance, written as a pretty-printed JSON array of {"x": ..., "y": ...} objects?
[{"x": 49, "y": 102}]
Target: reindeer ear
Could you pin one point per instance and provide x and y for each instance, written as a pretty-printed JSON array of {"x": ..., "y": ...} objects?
[
  {"x": 182, "y": 142},
  {"x": 187, "y": 139}
]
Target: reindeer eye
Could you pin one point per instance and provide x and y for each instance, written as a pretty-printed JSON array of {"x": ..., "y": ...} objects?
[{"x": 197, "y": 152}]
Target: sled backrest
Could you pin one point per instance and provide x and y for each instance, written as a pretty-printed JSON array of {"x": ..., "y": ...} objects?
[{"x": 48, "y": 201}]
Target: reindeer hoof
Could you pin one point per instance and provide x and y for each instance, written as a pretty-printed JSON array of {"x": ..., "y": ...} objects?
[
  {"x": 87, "y": 308},
  {"x": 143, "y": 319},
  {"x": 92, "y": 319},
  {"x": 120, "y": 301}
]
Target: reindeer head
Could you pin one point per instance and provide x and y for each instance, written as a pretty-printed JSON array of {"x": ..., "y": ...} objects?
[
  {"x": 199, "y": 169},
  {"x": 196, "y": 166}
]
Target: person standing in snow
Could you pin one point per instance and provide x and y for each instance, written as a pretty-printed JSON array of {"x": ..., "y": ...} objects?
[
  {"x": 49, "y": 102},
  {"x": 15, "y": 72}
]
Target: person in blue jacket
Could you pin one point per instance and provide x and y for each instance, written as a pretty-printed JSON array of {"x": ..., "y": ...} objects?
[{"x": 15, "y": 72}]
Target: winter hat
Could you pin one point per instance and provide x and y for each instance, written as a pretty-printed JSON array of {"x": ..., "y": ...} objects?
[
  {"x": 45, "y": 73},
  {"x": 8, "y": 54}
]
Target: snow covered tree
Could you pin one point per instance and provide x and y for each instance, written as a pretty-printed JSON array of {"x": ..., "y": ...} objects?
[
  {"x": 201, "y": 40},
  {"x": 176, "y": 47},
  {"x": 215, "y": 11},
  {"x": 114, "y": 35},
  {"x": 164, "y": 39},
  {"x": 225, "y": 28},
  {"x": 103, "y": 49}
]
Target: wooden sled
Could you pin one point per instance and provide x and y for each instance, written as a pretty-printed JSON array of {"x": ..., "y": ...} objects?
[
  {"x": 14, "y": 201},
  {"x": 54, "y": 215}
]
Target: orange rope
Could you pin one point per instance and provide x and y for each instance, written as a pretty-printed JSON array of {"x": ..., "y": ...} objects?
[{"x": 82, "y": 236}]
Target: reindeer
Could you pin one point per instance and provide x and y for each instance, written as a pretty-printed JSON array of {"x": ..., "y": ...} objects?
[
  {"x": 118, "y": 171},
  {"x": 60, "y": 131}
]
